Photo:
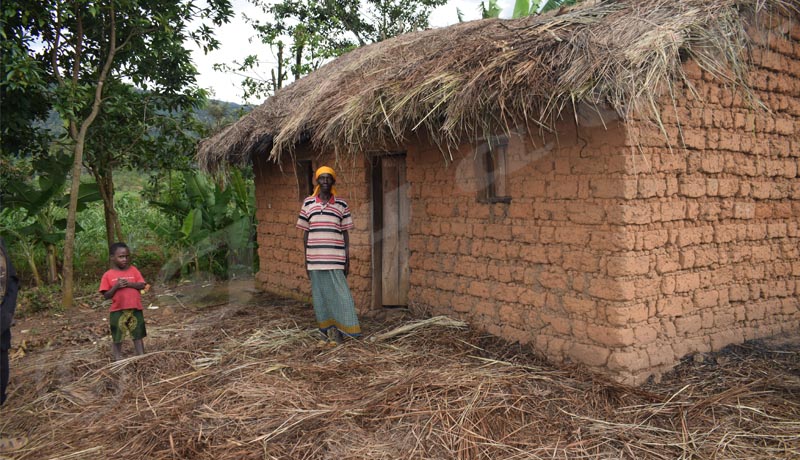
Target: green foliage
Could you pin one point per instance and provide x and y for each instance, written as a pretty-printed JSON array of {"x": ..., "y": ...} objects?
[
  {"x": 164, "y": 240},
  {"x": 217, "y": 114},
  {"x": 77, "y": 55},
  {"x": 144, "y": 130},
  {"x": 304, "y": 34},
  {"x": 46, "y": 188},
  {"x": 555, "y": 4},
  {"x": 91, "y": 249},
  {"x": 24, "y": 250},
  {"x": 140, "y": 130},
  {"x": 523, "y": 8},
  {"x": 22, "y": 89},
  {"x": 146, "y": 229},
  {"x": 33, "y": 211},
  {"x": 35, "y": 299},
  {"x": 217, "y": 228},
  {"x": 491, "y": 10},
  {"x": 388, "y": 18},
  {"x": 48, "y": 178}
]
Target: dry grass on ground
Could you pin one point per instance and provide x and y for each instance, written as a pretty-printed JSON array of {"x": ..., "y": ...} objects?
[{"x": 241, "y": 377}]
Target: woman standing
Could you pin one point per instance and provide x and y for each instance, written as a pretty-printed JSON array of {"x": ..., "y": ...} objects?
[{"x": 325, "y": 221}]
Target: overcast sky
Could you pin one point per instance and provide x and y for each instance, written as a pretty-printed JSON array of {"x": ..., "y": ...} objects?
[{"x": 235, "y": 39}]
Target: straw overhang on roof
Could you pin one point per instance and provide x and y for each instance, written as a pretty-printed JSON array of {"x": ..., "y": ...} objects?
[{"x": 473, "y": 78}]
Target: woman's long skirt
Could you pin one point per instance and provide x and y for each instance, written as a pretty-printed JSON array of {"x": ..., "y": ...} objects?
[{"x": 333, "y": 303}]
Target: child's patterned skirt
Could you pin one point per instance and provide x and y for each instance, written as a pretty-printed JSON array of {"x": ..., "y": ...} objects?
[{"x": 127, "y": 323}]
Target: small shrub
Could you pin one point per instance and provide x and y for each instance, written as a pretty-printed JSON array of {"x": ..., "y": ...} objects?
[
  {"x": 36, "y": 299},
  {"x": 149, "y": 260}
]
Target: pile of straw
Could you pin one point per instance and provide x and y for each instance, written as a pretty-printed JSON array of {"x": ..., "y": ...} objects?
[
  {"x": 247, "y": 381},
  {"x": 481, "y": 77}
]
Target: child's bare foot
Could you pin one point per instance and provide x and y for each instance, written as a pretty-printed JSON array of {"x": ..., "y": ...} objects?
[
  {"x": 139, "y": 346},
  {"x": 116, "y": 349}
]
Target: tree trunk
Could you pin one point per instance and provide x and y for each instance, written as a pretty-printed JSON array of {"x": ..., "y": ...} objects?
[
  {"x": 79, "y": 137},
  {"x": 28, "y": 250},
  {"x": 298, "y": 62},
  {"x": 67, "y": 286},
  {"x": 105, "y": 182},
  {"x": 279, "y": 84},
  {"x": 52, "y": 263}
]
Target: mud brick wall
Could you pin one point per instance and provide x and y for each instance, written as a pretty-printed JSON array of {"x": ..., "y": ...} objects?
[
  {"x": 280, "y": 244},
  {"x": 713, "y": 224},
  {"x": 542, "y": 269},
  {"x": 623, "y": 247},
  {"x": 627, "y": 249}
]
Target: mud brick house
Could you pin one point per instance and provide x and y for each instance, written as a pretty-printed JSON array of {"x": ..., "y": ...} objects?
[{"x": 615, "y": 185}]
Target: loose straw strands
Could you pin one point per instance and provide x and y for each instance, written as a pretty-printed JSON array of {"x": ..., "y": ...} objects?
[
  {"x": 458, "y": 83},
  {"x": 249, "y": 382}
]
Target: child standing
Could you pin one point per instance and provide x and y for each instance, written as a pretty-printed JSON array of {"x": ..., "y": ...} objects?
[{"x": 122, "y": 284}]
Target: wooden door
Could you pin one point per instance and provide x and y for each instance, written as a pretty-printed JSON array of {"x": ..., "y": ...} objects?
[{"x": 394, "y": 219}]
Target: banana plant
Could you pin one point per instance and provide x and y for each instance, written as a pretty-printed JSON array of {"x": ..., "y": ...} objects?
[
  {"x": 490, "y": 10},
  {"x": 20, "y": 239},
  {"x": 217, "y": 222},
  {"x": 522, "y": 8},
  {"x": 32, "y": 210}
]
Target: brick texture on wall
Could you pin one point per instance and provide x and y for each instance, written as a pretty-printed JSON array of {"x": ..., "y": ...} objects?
[
  {"x": 622, "y": 246},
  {"x": 721, "y": 230},
  {"x": 280, "y": 243},
  {"x": 627, "y": 248},
  {"x": 554, "y": 267}
]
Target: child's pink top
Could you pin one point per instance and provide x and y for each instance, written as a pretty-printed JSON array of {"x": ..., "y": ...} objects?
[{"x": 126, "y": 298}]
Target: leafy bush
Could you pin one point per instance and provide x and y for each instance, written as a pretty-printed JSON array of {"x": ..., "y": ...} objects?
[
  {"x": 180, "y": 224},
  {"x": 35, "y": 299},
  {"x": 148, "y": 232},
  {"x": 33, "y": 212},
  {"x": 217, "y": 231}
]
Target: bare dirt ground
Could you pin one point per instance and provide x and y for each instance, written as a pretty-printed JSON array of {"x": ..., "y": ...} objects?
[{"x": 232, "y": 373}]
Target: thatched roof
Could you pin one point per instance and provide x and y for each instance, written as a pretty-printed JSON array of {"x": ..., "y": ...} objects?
[{"x": 477, "y": 77}]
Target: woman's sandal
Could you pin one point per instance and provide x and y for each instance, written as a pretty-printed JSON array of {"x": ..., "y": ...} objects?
[{"x": 337, "y": 336}]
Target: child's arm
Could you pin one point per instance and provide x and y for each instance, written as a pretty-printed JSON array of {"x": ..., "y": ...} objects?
[
  {"x": 116, "y": 287},
  {"x": 122, "y": 283},
  {"x": 139, "y": 283}
]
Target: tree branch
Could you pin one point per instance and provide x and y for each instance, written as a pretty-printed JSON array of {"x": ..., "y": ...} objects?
[
  {"x": 54, "y": 49},
  {"x": 98, "y": 92},
  {"x": 76, "y": 65}
]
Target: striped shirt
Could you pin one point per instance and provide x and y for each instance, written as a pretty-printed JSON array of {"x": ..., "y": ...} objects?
[{"x": 325, "y": 223}]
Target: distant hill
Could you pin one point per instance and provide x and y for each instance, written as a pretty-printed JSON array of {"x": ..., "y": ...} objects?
[
  {"x": 214, "y": 112},
  {"x": 222, "y": 110}
]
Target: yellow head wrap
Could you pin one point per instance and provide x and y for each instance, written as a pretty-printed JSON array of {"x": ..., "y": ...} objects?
[{"x": 320, "y": 171}]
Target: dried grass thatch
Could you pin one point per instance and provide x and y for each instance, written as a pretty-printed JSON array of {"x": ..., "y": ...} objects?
[
  {"x": 484, "y": 76},
  {"x": 245, "y": 381}
]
